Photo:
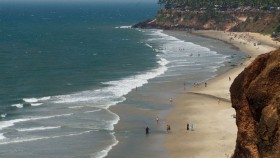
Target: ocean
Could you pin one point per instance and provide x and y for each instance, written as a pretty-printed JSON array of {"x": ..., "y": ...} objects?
[{"x": 64, "y": 65}]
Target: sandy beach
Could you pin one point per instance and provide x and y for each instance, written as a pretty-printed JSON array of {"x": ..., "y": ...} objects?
[{"x": 207, "y": 108}]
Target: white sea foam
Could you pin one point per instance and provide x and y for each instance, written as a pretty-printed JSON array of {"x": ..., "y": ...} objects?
[
  {"x": 146, "y": 44},
  {"x": 3, "y": 115},
  {"x": 157, "y": 50},
  {"x": 113, "y": 122},
  {"x": 30, "y": 100},
  {"x": 180, "y": 53},
  {"x": 5, "y": 124},
  {"x": 140, "y": 30},
  {"x": 113, "y": 93},
  {"x": 103, "y": 153},
  {"x": 76, "y": 107},
  {"x": 34, "y": 100},
  {"x": 95, "y": 96},
  {"x": 21, "y": 140},
  {"x": 37, "y": 129},
  {"x": 36, "y": 104},
  {"x": 44, "y": 98},
  {"x": 123, "y": 27},
  {"x": 17, "y": 105},
  {"x": 213, "y": 68},
  {"x": 115, "y": 90},
  {"x": 92, "y": 111},
  {"x": 163, "y": 62},
  {"x": 180, "y": 65},
  {"x": 124, "y": 86},
  {"x": 2, "y": 136}
]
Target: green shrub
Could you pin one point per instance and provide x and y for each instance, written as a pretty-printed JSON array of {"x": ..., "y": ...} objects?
[
  {"x": 256, "y": 18},
  {"x": 247, "y": 20},
  {"x": 277, "y": 30}
]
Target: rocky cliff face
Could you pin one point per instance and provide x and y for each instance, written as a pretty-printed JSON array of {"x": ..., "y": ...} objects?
[
  {"x": 255, "y": 95},
  {"x": 253, "y": 21}
]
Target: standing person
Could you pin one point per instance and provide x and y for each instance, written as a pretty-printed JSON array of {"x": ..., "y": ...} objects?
[
  {"x": 157, "y": 120},
  {"x": 170, "y": 100},
  {"x": 188, "y": 126},
  {"x": 168, "y": 129},
  {"x": 205, "y": 84},
  {"x": 147, "y": 130},
  {"x": 192, "y": 127}
]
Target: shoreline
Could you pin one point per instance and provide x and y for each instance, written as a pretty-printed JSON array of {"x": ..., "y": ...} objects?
[
  {"x": 209, "y": 108},
  {"x": 143, "y": 105}
]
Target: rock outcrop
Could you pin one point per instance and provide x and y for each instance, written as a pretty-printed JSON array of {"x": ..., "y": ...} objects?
[{"x": 255, "y": 96}]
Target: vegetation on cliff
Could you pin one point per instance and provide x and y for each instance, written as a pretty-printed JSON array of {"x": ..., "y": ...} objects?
[
  {"x": 260, "y": 16},
  {"x": 196, "y": 4}
]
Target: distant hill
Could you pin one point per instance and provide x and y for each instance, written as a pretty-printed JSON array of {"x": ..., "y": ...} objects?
[
  {"x": 227, "y": 15},
  {"x": 220, "y": 4}
]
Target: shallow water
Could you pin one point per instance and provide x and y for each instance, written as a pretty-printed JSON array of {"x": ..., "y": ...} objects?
[{"x": 184, "y": 66}]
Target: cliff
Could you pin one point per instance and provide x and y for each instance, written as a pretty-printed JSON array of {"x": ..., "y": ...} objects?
[
  {"x": 250, "y": 21},
  {"x": 255, "y": 96},
  {"x": 177, "y": 19}
]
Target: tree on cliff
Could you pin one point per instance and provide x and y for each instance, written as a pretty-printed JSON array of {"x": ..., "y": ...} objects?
[{"x": 225, "y": 3}]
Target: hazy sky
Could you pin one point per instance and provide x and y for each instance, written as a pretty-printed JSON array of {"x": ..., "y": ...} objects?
[{"x": 78, "y": 0}]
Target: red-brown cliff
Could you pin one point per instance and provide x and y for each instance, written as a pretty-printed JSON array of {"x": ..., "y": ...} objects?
[{"x": 255, "y": 95}]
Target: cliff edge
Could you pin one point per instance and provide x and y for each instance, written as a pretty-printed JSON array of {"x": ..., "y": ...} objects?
[
  {"x": 255, "y": 96},
  {"x": 264, "y": 22}
]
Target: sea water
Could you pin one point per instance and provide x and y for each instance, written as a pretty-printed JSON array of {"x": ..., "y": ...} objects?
[{"x": 63, "y": 65}]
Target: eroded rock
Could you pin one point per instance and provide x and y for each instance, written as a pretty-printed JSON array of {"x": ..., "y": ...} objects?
[{"x": 255, "y": 95}]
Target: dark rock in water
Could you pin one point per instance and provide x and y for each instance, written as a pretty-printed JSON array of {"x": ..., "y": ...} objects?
[
  {"x": 255, "y": 95},
  {"x": 144, "y": 24},
  {"x": 153, "y": 24}
]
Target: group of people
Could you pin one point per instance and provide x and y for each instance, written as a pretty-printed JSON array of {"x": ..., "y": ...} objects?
[
  {"x": 190, "y": 127},
  {"x": 168, "y": 128},
  {"x": 195, "y": 84}
]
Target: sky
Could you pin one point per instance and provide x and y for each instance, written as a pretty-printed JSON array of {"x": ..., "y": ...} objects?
[{"x": 78, "y": 0}]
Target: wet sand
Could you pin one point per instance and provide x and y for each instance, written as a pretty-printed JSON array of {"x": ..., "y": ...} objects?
[
  {"x": 214, "y": 130},
  {"x": 209, "y": 108}
]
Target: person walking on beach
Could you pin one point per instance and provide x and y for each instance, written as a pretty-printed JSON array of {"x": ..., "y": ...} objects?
[
  {"x": 157, "y": 120},
  {"x": 205, "y": 84},
  {"x": 147, "y": 130},
  {"x": 188, "y": 126},
  {"x": 168, "y": 129},
  {"x": 192, "y": 127},
  {"x": 170, "y": 100}
]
